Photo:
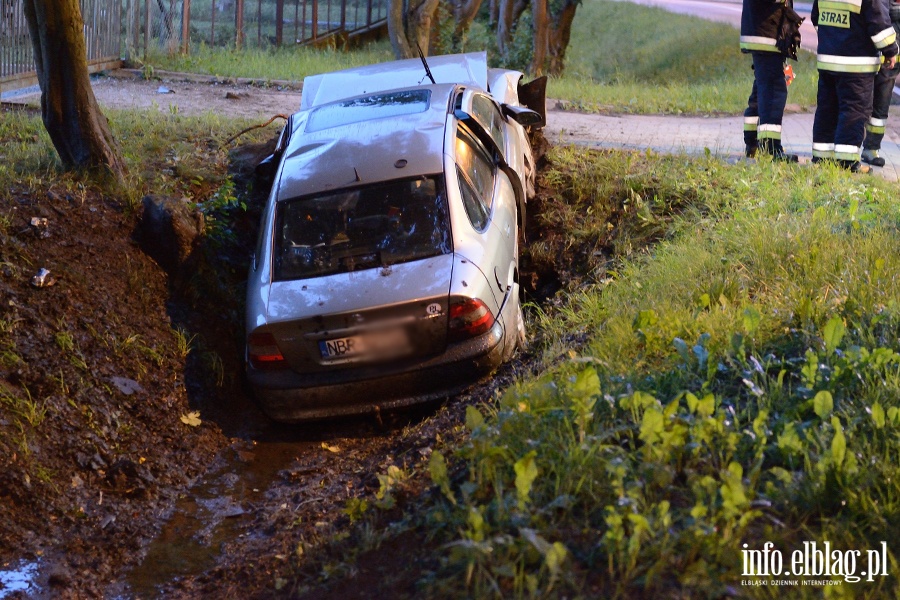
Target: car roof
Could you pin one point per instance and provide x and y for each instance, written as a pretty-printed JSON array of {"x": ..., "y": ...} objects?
[
  {"x": 369, "y": 151},
  {"x": 467, "y": 69}
]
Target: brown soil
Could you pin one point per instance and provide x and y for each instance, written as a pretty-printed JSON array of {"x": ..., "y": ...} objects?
[{"x": 107, "y": 487}]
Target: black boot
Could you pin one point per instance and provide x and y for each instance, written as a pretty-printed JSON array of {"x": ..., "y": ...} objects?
[
  {"x": 774, "y": 149},
  {"x": 870, "y": 155},
  {"x": 854, "y": 166}
]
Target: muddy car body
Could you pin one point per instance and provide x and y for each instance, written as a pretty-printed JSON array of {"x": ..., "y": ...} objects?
[{"x": 386, "y": 270}]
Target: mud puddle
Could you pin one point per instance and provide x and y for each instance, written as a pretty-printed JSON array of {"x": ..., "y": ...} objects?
[
  {"x": 215, "y": 511},
  {"x": 225, "y": 507}
]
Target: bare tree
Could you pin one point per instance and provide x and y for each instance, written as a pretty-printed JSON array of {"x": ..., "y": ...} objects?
[{"x": 79, "y": 131}]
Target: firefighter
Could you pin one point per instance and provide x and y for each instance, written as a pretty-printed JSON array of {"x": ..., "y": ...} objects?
[
  {"x": 855, "y": 36},
  {"x": 884, "y": 91},
  {"x": 760, "y": 31}
]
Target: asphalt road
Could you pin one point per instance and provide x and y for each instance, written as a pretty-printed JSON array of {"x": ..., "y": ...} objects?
[{"x": 729, "y": 11}]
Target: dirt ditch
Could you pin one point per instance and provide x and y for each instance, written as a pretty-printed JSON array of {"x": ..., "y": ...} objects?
[{"x": 132, "y": 469}]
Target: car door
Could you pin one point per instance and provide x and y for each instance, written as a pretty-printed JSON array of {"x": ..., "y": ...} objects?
[{"x": 489, "y": 199}]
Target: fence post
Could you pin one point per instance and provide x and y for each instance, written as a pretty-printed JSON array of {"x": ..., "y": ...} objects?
[
  {"x": 239, "y": 25},
  {"x": 315, "y": 20},
  {"x": 279, "y": 22},
  {"x": 146, "y": 28},
  {"x": 186, "y": 27}
]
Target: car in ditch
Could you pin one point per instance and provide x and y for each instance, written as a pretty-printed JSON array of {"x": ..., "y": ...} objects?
[{"x": 386, "y": 268}]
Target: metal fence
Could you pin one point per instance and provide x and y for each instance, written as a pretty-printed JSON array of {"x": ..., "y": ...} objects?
[
  {"x": 183, "y": 24},
  {"x": 102, "y": 36},
  {"x": 117, "y": 29}
]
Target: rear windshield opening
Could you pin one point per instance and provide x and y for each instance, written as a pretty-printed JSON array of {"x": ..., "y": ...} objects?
[
  {"x": 379, "y": 106},
  {"x": 363, "y": 228}
]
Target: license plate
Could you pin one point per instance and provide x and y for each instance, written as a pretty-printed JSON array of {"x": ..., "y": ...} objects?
[{"x": 389, "y": 343}]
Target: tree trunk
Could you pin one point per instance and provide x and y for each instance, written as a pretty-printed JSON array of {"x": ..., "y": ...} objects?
[
  {"x": 504, "y": 25},
  {"x": 559, "y": 37},
  {"x": 540, "y": 15},
  {"x": 397, "y": 30},
  {"x": 421, "y": 18},
  {"x": 464, "y": 12},
  {"x": 77, "y": 128},
  {"x": 406, "y": 30},
  {"x": 510, "y": 11}
]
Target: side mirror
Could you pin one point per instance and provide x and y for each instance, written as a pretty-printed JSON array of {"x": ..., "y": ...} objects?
[
  {"x": 534, "y": 96},
  {"x": 524, "y": 116}
]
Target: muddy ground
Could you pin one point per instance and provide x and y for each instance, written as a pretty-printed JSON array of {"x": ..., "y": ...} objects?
[{"x": 136, "y": 465}]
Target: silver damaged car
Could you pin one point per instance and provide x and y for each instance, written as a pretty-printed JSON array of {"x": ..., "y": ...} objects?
[{"x": 386, "y": 271}]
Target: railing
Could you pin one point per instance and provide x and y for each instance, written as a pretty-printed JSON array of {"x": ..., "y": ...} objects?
[
  {"x": 179, "y": 25},
  {"x": 102, "y": 36}
]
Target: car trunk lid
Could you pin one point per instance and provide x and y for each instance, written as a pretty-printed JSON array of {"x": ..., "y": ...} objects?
[{"x": 362, "y": 317}]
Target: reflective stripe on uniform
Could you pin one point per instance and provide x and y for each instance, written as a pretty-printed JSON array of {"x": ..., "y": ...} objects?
[
  {"x": 823, "y": 150},
  {"x": 846, "y": 152},
  {"x": 756, "y": 42},
  {"x": 885, "y": 38},
  {"x": 854, "y": 6},
  {"x": 848, "y": 64},
  {"x": 750, "y": 123},
  {"x": 876, "y": 125},
  {"x": 768, "y": 131}
]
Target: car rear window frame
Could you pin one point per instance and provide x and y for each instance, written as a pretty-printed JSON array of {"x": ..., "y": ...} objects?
[
  {"x": 348, "y": 112},
  {"x": 441, "y": 236}
]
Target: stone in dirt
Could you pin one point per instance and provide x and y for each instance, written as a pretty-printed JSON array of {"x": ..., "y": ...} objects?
[{"x": 170, "y": 230}]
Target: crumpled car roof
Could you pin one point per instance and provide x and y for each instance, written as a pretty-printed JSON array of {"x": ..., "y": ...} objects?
[{"x": 368, "y": 151}]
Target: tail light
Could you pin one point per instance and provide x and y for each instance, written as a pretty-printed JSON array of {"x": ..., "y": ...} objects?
[
  {"x": 469, "y": 317},
  {"x": 263, "y": 352}
]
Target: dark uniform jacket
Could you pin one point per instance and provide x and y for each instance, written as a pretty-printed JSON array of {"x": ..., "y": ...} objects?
[
  {"x": 760, "y": 22},
  {"x": 853, "y": 35}
]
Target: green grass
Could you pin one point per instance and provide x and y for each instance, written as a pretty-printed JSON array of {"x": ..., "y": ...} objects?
[
  {"x": 291, "y": 64},
  {"x": 165, "y": 154},
  {"x": 625, "y": 57},
  {"x": 732, "y": 377}
]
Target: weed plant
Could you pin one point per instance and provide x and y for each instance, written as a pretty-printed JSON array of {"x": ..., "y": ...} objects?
[
  {"x": 730, "y": 378},
  {"x": 739, "y": 384}
]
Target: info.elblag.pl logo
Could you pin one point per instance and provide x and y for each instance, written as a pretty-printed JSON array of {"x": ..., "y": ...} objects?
[{"x": 814, "y": 564}]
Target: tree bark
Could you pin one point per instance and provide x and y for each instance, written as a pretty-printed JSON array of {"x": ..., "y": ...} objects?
[
  {"x": 408, "y": 29},
  {"x": 508, "y": 16},
  {"x": 420, "y": 24},
  {"x": 559, "y": 37},
  {"x": 79, "y": 131},
  {"x": 504, "y": 25},
  {"x": 464, "y": 12},
  {"x": 541, "y": 23},
  {"x": 397, "y": 30}
]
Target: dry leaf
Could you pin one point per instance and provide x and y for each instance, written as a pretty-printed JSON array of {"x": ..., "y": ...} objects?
[
  {"x": 192, "y": 418},
  {"x": 330, "y": 448}
]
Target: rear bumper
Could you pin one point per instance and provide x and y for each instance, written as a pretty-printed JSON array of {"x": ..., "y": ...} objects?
[{"x": 291, "y": 397}]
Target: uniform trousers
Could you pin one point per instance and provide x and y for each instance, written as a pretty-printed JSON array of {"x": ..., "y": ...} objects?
[
  {"x": 765, "y": 107},
  {"x": 843, "y": 105}
]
